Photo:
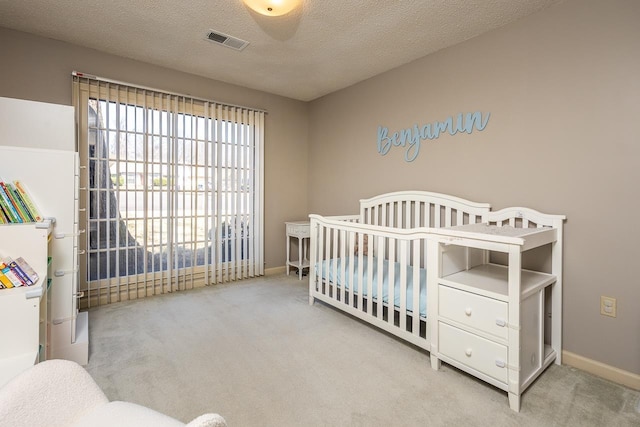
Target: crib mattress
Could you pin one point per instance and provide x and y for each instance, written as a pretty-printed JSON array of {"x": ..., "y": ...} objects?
[{"x": 326, "y": 270}]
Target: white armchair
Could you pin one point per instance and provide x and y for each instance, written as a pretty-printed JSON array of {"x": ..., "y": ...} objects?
[{"x": 61, "y": 393}]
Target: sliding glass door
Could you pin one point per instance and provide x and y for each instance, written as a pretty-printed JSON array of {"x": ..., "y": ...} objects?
[{"x": 172, "y": 191}]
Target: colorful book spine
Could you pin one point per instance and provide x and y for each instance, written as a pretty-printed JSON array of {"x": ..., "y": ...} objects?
[
  {"x": 15, "y": 280},
  {"x": 24, "y": 277},
  {"x": 8, "y": 189},
  {"x": 3, "y": 214},
  {"x": 24, "y": 266},
  {"x": 8, "y": 206},
  {"x": 16, "y": 273},
  {"x": 6, "y": 283},
  {"x": 23, "y": 206},
  {"x": 24, "y": 195}
]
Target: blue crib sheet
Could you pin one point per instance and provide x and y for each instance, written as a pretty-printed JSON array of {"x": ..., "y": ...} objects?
[{"x": 327, "y": 272}]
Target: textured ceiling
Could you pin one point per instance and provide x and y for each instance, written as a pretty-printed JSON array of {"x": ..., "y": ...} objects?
[{"x": 323, "y": 47}]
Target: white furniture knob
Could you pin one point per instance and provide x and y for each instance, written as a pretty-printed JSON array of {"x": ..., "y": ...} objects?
[
  {"x": 467, "y": 311},
  {"x": 468, "y": 352}
]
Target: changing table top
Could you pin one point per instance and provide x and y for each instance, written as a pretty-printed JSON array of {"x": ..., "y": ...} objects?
[{"x": 529, "y": 237}]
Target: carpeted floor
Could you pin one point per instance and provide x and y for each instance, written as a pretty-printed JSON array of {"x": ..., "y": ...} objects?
[{"x": 257, "y": 353}]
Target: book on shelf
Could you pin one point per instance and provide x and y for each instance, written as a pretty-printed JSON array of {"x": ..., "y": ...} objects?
[
  {"x": 26, "y": 268},
  {"x": 15, "y": 201},
  {"x": 5, "y": 282},
  {"x": 19, "y": 203},
  {"x": 16, "y": 273},
  {"x": 7, "y": 206},
  {"x": 3, "y": 217},
  {"x": 26, "y": 198},
  {"x": 16, "y": 205},
  {"x": 11, "y": 276}
]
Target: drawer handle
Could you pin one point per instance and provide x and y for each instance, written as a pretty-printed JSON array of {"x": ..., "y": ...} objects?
[
  {"x": 467, "y": 311},
  {"x": 468, "y": 352}
]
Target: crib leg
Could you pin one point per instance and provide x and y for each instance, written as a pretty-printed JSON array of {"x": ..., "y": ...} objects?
[
  {"x": 435, "y": 362},
  {"x": 311, "y": 300},
  {"x": 514, "y": 401}
]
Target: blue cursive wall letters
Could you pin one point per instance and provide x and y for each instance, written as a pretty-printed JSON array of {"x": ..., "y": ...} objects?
[{"x": 411, "y": 138}]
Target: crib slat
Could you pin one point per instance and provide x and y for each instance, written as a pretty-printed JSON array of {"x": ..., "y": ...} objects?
[
  {"x": 379, "y": 313},
  {"x": 361, "y": 278},
  {"x": 392, "y": 280},
  {"x": 343, "y": 256},
  {"x": 350, "y": 255},
  {"x": 424, "y": 253},
  {"x": 392, "y": 213},
  {"x": 383, "y": 216},
  {"x": 403, "y": 285},
  {"x": 323, "y": 265},
  {"x": 436, "y": 216},
  {"x": 369, "y": 275},
  {"x": 318, "y": 260},
  {"x": 416, "y": 215},
  {"x": 333, "y": 259},
  {"x": 459, "y": 217},
  {"x": 447, "y": 216},
  {"x": 355, "y": 290},
  {"x": 415, "y": 319},
  {"x": 407, "y": 216}
]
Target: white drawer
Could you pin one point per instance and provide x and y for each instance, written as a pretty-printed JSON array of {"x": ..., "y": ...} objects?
[
  {"x": 482, "y": 313},
  {"x": 473, "y": 351},
  {"x": 298, "y": 230}
]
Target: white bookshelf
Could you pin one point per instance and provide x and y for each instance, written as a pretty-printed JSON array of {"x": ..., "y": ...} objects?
[
  {"x": 37, "y": 147},
  {"x": 24, "y": 313}
]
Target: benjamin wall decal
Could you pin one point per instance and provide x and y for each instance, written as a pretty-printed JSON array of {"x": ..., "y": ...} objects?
[{"x": 410, "y": 138}]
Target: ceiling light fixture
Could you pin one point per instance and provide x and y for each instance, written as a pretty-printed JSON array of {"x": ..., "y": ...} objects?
[{"x": 273, "y": 7}]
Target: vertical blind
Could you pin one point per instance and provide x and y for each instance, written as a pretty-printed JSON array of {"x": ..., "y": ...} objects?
[{"x": 171, "y": 191}]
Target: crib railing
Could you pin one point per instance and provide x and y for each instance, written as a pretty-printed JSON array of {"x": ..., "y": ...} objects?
[
  {"x": 415, "y": 209},
  {"x": 372, "y": 272}
]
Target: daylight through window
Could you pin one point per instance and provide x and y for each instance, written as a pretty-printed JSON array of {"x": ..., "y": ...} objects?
[{"x": 172, "y": 191}]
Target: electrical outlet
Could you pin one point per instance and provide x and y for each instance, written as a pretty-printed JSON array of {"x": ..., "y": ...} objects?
[{"x": 608, "y": 306}]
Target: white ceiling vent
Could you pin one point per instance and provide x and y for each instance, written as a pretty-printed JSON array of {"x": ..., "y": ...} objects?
[{"x": 226, "y": 40}]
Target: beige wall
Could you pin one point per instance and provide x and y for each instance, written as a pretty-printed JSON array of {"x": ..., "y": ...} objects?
[
  {"x": 563, "y": 89},
  {"x": 39, "y": 69}
]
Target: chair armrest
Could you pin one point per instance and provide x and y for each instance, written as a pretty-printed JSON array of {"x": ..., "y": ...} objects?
[
  {"x": 54, "y": 392},
  {"x": 208, "y": 420}
]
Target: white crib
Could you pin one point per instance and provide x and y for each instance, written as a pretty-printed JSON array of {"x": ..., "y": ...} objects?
[
  {"x": 489, "y": 319},
  {"x": 367, "y": 264}
]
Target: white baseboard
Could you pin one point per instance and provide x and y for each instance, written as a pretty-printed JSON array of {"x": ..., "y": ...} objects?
[
  {"x": 619, "y": 376},
  {"x": 275, "y": 270}
]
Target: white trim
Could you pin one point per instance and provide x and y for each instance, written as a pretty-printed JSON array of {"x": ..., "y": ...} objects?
[
  {"x": 618, "y": 376},
  {"x": 275, "y": 270}
]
